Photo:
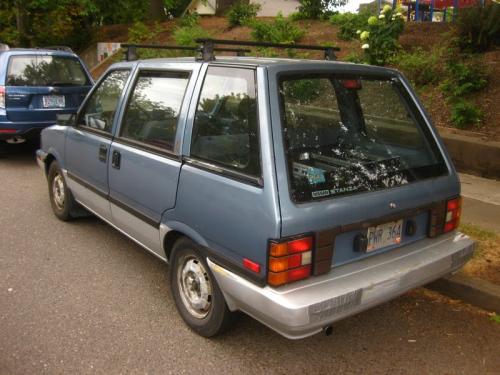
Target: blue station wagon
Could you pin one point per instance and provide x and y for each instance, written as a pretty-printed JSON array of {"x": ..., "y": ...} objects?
[
  {"x": 35, "y": 86},
  {"x": 297, "y": 191}
]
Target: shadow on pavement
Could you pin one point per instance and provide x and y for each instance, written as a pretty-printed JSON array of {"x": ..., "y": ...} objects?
[{"x": 22, "y": 154}]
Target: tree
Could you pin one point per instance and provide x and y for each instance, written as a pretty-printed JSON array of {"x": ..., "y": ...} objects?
[{"x": 314, "y": 9}]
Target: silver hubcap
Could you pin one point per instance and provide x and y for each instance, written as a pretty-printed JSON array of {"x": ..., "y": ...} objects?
[
  {"x": 194, "y": 286},
  {"x": 58, "y": 191}
]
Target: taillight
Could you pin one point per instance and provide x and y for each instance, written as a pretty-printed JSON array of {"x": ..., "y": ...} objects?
[
  {"x": 2, "y": 96},
  {"x": 289, "y": 260},
  {"x": 453, "y": 211}
]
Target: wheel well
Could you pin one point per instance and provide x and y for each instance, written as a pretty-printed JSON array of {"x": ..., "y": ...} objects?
[
  {"x": 168, "y": 243},
  {"x": 48, "y": 161}
]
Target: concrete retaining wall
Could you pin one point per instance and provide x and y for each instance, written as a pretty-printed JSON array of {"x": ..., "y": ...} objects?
[{"x": 472, "y": 154}]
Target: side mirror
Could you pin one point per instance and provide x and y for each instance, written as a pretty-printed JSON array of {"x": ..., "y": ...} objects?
[{"x": 65, "y": 119}]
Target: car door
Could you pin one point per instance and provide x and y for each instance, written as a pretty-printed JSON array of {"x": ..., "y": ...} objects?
[
  {"x": 88, "y": 142},
  {"x": 144, "y": 159}
]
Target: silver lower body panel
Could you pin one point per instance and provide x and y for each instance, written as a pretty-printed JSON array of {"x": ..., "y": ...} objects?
[{"x": 304, "y": 308}]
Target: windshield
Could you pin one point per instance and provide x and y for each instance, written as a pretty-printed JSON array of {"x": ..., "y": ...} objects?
[
  {"x": 36, "y": 70},
  {"x": 345, "y": 135}
]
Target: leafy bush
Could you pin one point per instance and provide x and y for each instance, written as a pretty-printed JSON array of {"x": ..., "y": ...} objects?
[
  {"x": 316, "y": 9},
  {"x": 138, "y": 32},
  {"x": 281, "y": 30},
  {"x": 189, "y": 20},
  {"x": 349, "y": 23},
  {"x": 464, "y": 78},
  {"x": 186, "y": 36},
  {"x": 464, "y": 114},
  {"x": 380, "y": 38},
  {"x": 479, "y": 28},
  {"x": 421, "y": 67},
  {"x": 241, "y": 13}
]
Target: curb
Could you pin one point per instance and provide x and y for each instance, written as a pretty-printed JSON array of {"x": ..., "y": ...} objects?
[
  {"x": 474, "y": 291},
  {"x": 472, "y": 154}
]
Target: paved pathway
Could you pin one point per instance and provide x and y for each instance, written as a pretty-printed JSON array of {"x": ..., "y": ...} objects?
[{"x": 481, "y": 201}]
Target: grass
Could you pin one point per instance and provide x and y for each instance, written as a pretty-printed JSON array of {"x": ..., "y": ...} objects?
[
  {"x": 495, "y": 318},
  {"x": 486, "y": 261}
]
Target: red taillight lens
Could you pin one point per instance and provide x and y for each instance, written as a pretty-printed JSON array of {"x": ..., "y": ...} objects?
[
  {"x": 7, "y": 131},
  {"x": 289, "y": 261},
  {"x": 2, "y": 96},
  {"x": 453, "y": 212}
]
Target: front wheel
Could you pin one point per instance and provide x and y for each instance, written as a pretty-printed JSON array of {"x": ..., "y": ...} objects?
[
  {"x": 63, "y": 204},
  {"x": 197, "y": 295}
]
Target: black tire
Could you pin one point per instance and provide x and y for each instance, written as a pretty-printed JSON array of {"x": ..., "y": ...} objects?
[
  {"x": 214, "y": 319},
  {"x": 66, "y": 209}
]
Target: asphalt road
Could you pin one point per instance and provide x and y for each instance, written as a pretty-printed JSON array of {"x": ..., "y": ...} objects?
[{"x": 80, "y": 298}]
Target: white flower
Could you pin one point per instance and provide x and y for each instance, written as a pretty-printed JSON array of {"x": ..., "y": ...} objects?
[
  {"x": 358, "y": 32},
  {"x": 399, "y": 14},
  {"x": 381, "y": 17},
  {"x": 386, "y": 8},
  {"x": 365, "y": 46}
]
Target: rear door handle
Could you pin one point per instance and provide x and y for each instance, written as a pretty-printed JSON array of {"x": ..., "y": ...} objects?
[
  {"x": 103, "y": 153},
  {"x": 116, "y": 159}
]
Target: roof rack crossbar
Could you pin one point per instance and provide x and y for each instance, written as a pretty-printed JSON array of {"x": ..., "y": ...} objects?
[
  {"x": 208, "y": 46},
  {"x": 131, "y": 49},
  {"x": 59, "y": 48}
]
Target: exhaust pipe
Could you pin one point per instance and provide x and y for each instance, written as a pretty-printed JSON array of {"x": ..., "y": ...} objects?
[{"x": 328, "y": 330}]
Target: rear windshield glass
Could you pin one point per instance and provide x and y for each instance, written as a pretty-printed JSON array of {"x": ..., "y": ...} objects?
[
  {"x": 45, "y": 71},
  {"x": 345, "y": 135}
]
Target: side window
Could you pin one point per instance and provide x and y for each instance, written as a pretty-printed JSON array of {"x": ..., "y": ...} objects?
[
  {"x": 153, "y": 109},
  {"x": 225, "y": 130},
  {"x": 100, "y": 109}
]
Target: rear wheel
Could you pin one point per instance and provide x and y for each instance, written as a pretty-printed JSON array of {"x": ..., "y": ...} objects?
[
  {"x": 63, "y": 204},
  {"x": 197, "y": 295}
]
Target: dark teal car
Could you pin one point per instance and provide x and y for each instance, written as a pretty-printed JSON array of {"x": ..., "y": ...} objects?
[{"x": 35, "y": 86}]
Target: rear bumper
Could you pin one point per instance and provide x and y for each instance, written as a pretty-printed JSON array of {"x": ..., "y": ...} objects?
[
  {"x": 302, "y": 309},
  {"x": 23, "y": 129}
]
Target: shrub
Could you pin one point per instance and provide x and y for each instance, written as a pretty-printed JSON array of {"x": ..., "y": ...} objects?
[
  {"x": 464, "y": 114},
  {"x": 241, "y": 13},
  {"x": 479, "y": 28},
  {"x": 316, "y": 9},
  {"x": 421, "y": 67},
  {"x": 189, "y": 20},
  {"x": 349, "y": 23},
  {"x": 380, "y": 38},
  {"x": 281, "y": 30},
  {"x": 464, "y": 78},
  {"x": 186, "y": 36},
  {"x": 139, "y": 32}
]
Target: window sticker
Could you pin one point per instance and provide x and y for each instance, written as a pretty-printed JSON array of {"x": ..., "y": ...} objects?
[{"x": 314, "y": 175}]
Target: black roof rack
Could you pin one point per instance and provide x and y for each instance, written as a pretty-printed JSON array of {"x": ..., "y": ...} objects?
[
  {"x": 208, "y": 47},
  {"x": 58, "y": 48},
  {"x": 131, "y": 52}
]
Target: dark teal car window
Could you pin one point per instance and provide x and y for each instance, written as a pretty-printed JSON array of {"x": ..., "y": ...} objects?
[
  {"x": 100, "y": 109},
  {"x": 36, "y": 70},
  {"x": 225, "y": 130},
  {"x": 345, "y": 135},
  {"x": 153, "y": 110}
]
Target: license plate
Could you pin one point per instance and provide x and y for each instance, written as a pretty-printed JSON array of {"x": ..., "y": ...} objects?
[
  {"x": 384, "y": 235},
  {"x": 53, "y": 101}
]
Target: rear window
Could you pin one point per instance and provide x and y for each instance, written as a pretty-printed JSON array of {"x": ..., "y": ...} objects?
[
  {"x": 36, "y": 70},
  {"x": 345, "y": 135}
]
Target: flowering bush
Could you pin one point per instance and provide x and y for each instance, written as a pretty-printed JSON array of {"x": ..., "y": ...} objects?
[{"x": 380, "y": 39}]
